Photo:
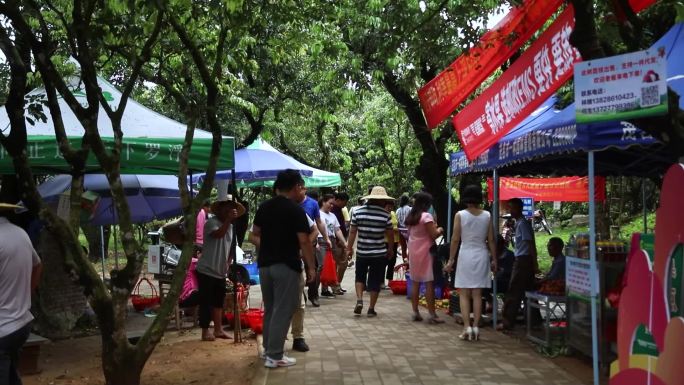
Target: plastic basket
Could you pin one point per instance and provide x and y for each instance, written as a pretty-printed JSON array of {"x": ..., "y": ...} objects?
[
  {"x": 255, "y": 320},
  {"x": 398, "y": 285},
  {"x": 144, "y": 301}
]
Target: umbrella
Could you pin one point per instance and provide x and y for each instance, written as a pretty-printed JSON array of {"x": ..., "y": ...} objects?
[
  {"x": 259, "y": 162},
  {"x": 149, "y": 196}
]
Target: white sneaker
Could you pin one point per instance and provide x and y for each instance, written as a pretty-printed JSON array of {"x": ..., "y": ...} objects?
[{"x": 283, "y": 362}]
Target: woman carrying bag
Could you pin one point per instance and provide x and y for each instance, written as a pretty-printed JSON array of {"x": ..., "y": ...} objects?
[{"x": 422, "y": 234}]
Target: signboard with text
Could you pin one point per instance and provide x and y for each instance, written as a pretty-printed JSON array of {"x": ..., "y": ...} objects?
[
  {"x": 443, "y": 94},
  {"x": 530, "y": 81},
  {"x": 621, "y": 87},
  {"x": 578, "y": 280},
  {"x": 528, "y": 207}
]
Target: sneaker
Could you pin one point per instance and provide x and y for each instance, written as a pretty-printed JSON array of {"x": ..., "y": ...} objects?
[
  {"x": 299, "y": 344},
  {"x": 358, "y": 308},
  {"x": 372, "y": 313},
  {"x": 338, "y": 292},
  {"x": 281, "y": 363},
  {"x": 343, "y": 290},
  {"x": 314, "y": 302},
  {"x": 327, "y": 293}
]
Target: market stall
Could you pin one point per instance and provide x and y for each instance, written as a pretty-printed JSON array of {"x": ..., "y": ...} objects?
[{"x": 551, "y": 142}]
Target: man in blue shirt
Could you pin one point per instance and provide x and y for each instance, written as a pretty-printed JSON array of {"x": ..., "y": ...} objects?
[
  {"x": 524, "y": 267},
  {"x": 312, "y": 209}
]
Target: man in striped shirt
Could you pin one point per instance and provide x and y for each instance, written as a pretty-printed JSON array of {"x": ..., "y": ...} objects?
[{"x": 370, "y": 224}]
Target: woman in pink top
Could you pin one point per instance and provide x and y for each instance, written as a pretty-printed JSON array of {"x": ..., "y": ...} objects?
[
  {"x": 189, "y": 295},
  {"x": 422, "y": 234},
  {"x": 199, "y": 224}
]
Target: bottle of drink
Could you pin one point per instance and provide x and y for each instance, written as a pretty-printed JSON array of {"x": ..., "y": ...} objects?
[{"x": 571, "y": 247}]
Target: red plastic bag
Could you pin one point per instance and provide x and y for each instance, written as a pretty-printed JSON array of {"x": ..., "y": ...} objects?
[{"x": 329, "y": 272}]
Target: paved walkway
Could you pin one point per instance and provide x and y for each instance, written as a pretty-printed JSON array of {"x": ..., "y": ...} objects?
[{"x": 391, "y": 349}]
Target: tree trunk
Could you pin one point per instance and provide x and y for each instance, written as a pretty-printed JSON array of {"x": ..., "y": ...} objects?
[
  {"x": 94, "y": 238},
  {"x": 120, "y": 364},
  {"x": 433, "y": 165}
]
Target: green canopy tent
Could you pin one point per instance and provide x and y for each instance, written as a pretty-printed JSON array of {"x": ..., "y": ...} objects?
[{"x": 151, "y": 143}]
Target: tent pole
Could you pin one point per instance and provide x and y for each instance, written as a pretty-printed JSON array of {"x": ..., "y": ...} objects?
[
  {"x": 495, "y": 224},
  {"x": 592, "y": 270},
  {"x": 237, "y": 330},
  {"x": 102, "y": 247},
  {"x": 116, "y": 247},
  {"x": 448, "y": 229},
  {"x": 643, "y": 203}
]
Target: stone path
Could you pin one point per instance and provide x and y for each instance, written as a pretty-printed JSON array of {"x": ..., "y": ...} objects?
[{"x": 391, "y": 349}]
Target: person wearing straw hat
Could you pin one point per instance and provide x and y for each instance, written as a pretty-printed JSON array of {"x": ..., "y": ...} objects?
[
  {"x": 370, "y": 226},
  {"x": 212, "y": 268},
  {"x": 20, "y": 270}
]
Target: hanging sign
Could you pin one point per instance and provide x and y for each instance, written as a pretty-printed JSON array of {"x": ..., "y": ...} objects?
[
  {"x": 622, "y": 87},
  {"x": 440, "y": 97},
  {"x": 531, "y": 80},
  {"x": 565, "y": 189}
]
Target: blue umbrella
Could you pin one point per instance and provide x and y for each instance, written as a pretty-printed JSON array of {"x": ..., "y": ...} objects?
[
  {"x": 259, "y": 162},
  {"x": 149, "y": 196}
]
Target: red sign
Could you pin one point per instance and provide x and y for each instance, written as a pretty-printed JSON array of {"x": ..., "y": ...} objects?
[
  {"x": 532, "y": 79},
  {"x": 567, "y": 189},
  {"x": 440, "y": 97}
]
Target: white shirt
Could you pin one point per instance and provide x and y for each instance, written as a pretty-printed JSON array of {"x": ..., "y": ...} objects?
[
  {"x": 17, "y": 259},
  {"x": 330, "y": 222}
]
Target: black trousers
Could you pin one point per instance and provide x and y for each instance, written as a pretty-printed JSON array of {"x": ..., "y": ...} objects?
[
  {"x": 522, "y": 280},
  {"x": 10, "y": 346},
  {"x": 392, "y": 261},
  {"x": 212, "y": 293}
]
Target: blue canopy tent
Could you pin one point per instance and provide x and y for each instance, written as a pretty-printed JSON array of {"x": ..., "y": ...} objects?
[
  {"x": 550, "y": 142},
  {"x": 620, "y": 148},
  {"x": 149, "y": 196},
  {"x": 258, "y": 164}
]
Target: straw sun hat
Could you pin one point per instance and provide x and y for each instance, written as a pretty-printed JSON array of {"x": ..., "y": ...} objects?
[
  {"x": 216, "y": 205},
  {"x": 378, "y": 193},
  {"x": 8, "y": 206}
]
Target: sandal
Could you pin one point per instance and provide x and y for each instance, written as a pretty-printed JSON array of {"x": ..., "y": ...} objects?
[
  {"x": 358, "y": 308},
  {"x": 435, "y": 320},
  {"x": 467, "y": 333},
  {"x": 416, "y": 317}
]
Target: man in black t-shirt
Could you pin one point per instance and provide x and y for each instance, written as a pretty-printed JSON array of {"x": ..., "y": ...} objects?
[{"x": 279, "y": 232}]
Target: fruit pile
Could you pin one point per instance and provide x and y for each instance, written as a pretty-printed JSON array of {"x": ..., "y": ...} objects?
[{"x": 553, "y": 287}]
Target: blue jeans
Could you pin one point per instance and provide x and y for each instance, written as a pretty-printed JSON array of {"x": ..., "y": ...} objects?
[{"x": 10, "y": 346}]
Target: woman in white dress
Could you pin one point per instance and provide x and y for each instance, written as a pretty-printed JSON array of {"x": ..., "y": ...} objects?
[{"x": 473, "y": 230}]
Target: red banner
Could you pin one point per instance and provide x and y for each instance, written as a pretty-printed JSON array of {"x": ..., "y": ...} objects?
[
  {"x": 532, "y": 79},
  {"x": 636, "y": 5},
  {"x": 440, "y": 97},
  {"x": 640, "y": 5},
  {"x": 567, "y": 189}
]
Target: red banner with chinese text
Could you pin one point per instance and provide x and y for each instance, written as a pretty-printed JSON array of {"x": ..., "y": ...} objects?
[
  {"x": 440, "y": 97},
  {"x": 566, "y": 189},
  {"x": 636, "y": 5},
  {"x": 532, "y": 79}
]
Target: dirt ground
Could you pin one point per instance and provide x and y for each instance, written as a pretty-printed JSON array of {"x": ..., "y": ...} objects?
[{"x": 180, "y": 358}]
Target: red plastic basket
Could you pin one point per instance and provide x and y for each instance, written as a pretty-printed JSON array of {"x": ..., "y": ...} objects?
[
  {"x": 255, "y": 320},
  {"x": 398, "y": 286},
  {"x": 144, "y": 301}
]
